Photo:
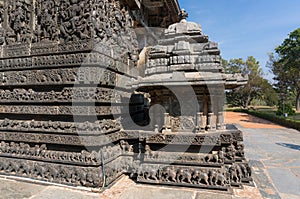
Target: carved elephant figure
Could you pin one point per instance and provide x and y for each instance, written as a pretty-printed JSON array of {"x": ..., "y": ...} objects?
[
  {"x": 65, "y": 174},
  {"x": 40, "y": 170},
  {"x": 4, "y": 165},
  {"x": 169, "y": 174},
  {"x": 26, "y": 168},
  {"x": 183, "y": 176},
  {"x": 14, "y": 167},
  {"x": 239, "y": 171},
  {"x": 53, "y": 173},
  {"x": 149, "y": 173},
  {"x": 234, "y": 176},
  {"x": 81, "y": 176},
  {"x": 218, "y": 179},
  {"x": 200, "y": 177}
]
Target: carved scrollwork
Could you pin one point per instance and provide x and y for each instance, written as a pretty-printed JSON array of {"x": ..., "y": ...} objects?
[{"x": 183, "y": 123}]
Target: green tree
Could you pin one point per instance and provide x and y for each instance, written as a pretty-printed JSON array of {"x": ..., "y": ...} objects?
[
  {"x": 285, "y": 65},
  {"x": 256, "y": 88}
]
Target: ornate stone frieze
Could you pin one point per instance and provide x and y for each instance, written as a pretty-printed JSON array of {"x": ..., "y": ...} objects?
[
  {"x": 182, "y": 139},
  {"x": 41, "y": 153},
  {"x": 181, "y": 175},
  {"x": 99, "y": 127},
  {"x": 72, "y": 140},
  {"x": 75, "y": 94},
  {"x": 65, "y": 174},
  {"x": 204, "y": 177},
  {"x": 59, "y": 77},
  {"x": 62, "y": 110}
]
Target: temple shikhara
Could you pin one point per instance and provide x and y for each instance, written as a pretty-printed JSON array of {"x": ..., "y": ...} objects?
[{"x": 93, "y": 90}]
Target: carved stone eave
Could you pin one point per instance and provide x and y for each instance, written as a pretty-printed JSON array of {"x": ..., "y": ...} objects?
[
  {"x": 180, "y": 79},
  {"x": 235, "y": 80}
]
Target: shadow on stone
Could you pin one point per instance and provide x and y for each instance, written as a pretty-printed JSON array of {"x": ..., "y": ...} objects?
[{"x": 291, "y": 146}]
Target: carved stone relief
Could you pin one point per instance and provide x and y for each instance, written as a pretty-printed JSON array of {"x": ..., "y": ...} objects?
[
  {"x": 19, "y": 19},
  {"x": 65, "y": 174},
  {"x": 99, "y": 127},
  {"x": 76, "y": 94},
  {"x": 59, "y": 77},
  {"x": 46, "y": 20}
]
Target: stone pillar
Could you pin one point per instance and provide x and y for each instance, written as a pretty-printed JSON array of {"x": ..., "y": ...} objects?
[
  {"x": 220, "y": 121},
  {"x": 167, "y": 123},
  {"x": 201, "y": 122},
  {"x": 211, "y": 125}
]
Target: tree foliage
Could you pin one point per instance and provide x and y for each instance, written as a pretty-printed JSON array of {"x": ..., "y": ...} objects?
[
  {"x": 256, "y": 88},
  {"x": 285, "y": 64}
]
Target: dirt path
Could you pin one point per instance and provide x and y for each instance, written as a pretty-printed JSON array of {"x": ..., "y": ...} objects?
[{"x": 248, "y": 121}]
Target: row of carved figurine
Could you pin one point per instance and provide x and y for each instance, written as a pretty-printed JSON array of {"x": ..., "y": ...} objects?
[
  {"x": 74, "y": 94},
  {"x": 225, "y": 176},
  {"x": 65, "y": 174},
  {"x": 59, "y": 60},
  {"x": 59, "y": 76},
  {"x": 226, "y": 154},
  {"x": 99, "y": 126},
  {"x": 40, "y": 152}
]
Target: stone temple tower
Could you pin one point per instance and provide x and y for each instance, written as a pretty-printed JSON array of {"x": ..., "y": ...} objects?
[{"x": 191, "y": 144}]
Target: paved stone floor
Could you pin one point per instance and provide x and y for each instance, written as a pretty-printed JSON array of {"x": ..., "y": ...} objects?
[
  {"x": 274, "y": 154},
  {"x": 273, "y": 151}
]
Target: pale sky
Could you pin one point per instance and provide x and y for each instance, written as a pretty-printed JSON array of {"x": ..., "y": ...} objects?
[{"x": 245, "y": 27}]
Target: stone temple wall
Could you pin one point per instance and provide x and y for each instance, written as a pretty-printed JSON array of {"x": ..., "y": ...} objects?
[{"x": 63, "y": 68}]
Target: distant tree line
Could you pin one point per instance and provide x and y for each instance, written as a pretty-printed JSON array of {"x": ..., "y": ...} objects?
[
  {"x": 258, "y": 91},
  {"x": 284, "y": 63}
]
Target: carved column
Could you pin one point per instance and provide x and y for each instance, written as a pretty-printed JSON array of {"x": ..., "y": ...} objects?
[
  {"x": 211, "y": 125},
  {"x": 167, "y": 123},
  {"x": 220, "y": 121},
  {"x": 201, "y": 122}
]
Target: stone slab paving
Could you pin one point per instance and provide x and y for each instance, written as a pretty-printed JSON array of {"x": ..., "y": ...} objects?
[
  {"x": 123, "y": 189},
  {"x": 274, "y": 154}
]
